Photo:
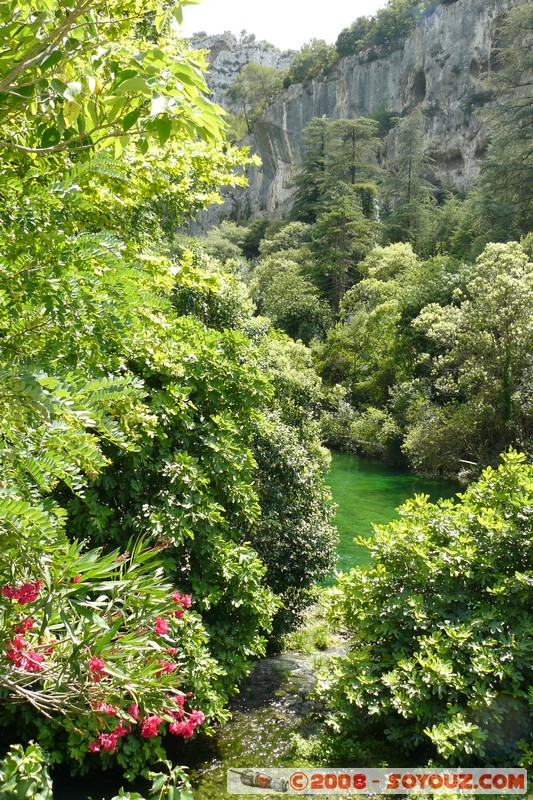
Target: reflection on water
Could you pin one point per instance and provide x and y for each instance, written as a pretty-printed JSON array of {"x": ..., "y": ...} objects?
[{"x": 367, "y": 492}]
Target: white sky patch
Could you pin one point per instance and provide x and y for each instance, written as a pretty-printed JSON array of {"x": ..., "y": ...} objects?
[{"x": 287, "y": 24}]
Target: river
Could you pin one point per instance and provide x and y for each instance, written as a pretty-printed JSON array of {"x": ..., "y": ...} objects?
[
  {"x": 368, "y": 492},
  {"x": 274, "y": 701}
]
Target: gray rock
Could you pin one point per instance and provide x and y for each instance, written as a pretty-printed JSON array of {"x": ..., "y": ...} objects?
[
  {"x": 227, "y": 56},
  {"x": 439, "y": 65}
]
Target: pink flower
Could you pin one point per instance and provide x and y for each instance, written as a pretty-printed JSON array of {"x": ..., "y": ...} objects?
[
  {"x": 171, "y": 650},
  {"x": 121, "y": 730},
  {"x": 96, "y": 665},
  {"x": 197, "y": 716},
  {"x": 166, "y": 667},
  {"x": 184, "y": 600},
  {"x": 106, "y": 708},
  {"x": 108, "y": 741},
  {"x": 180, "y": 729},
  {"x": 94, "y": 747},
  {"x": 149, "y": 726},
  {"x": 133, "y": 711},
  {"x": 15, "y": 649},
  {"x": 24, "y": 626},
  {"x": 161, "y": 626},
  {"x": 27, "y": 659},
  {"x": 186, "y": 727},
  {"x": 76, "y": 579},
  {"x": 179, "y": 699},
  {"x": 27, "y": 593},
  {"x": 32, "y": 661},
  {"x": 179, "y": 613}
]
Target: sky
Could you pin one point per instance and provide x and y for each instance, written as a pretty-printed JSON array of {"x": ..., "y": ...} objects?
[{"x": 287, "y": 24}]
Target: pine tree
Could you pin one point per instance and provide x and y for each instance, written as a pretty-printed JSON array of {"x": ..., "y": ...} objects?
[
  {"x": 507, "y": 175},
  {"x": 342, "y": 237},
  {"x": 351, "y": 159},
  {"x": 310, "y": 181},
  {"x": 408, "y": 194}
]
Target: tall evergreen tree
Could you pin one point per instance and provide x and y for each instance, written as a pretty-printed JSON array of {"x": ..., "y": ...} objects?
[
  {"x": 342, "y": 237},
  {"x": 507, "y": 175},
  {"x": 351, "y": 159},
  {"x": 408, "y": 194},
  {"x": 310, "y": 181}
]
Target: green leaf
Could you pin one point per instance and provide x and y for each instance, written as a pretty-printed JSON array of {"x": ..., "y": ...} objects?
[
  {"x": 183, "y": 794},
  {"x": 51, "y": 61},
  {"x": 50, "y": 137},
  {"x": 120, "y": 145},
  {"x": 71, "y": 112},
  {"x": 159, "y": 105},
  {"x": 58, "y": 86},
  {"x": 163, "y": 127},
  {"x": 73, "y": 89},
  {"x": 134, "y": 85},
  {"x": 159, "y": 21},
  {"x": 130, "y": 119},
  {"x": 25, "y": 91}
]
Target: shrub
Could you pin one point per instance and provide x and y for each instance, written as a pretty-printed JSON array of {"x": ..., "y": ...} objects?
[
  {"x": 441, "y": 624},
  {"x": 313, "y": 59}
]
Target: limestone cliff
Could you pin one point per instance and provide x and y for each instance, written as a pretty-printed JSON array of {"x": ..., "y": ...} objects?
[
  {"x": 227, "y": 55},
  {"x": 439, "y": 65}
]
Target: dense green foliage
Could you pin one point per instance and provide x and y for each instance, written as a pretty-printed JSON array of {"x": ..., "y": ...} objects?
[
  {"x": 61, "y": 91},
  {"x": 294, "y": 536},
  {"x": 423, "y": 377},
  {"x": 340, "y": 159},
  {"x": 416, "y": 303},
  {"x": 508, "y": 173},
  {"x": 409, "y": 207},
  {"x": 135, "y": 387},
  {"x": 440, "y": 627},
  {"x": 437, "y": 354},
  {"x": 313, "y": 59}
]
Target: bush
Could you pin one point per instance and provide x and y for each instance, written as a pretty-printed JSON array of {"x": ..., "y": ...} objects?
[
  {"x": 315, "y": 58},
  {"x": 24, "y": 774},
  {"x": 377, "y": 434},
  {"x": 441, "y": 625},
  {"x": 294, "y": 537}
]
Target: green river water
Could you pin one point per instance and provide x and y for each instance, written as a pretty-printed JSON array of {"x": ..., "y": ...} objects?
[{"x": 368, "y": 492}]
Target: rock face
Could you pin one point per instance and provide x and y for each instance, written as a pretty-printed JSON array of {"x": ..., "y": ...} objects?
[
  {"x": 439, "y": 65},
  {"x": 227, "y": 56}
]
